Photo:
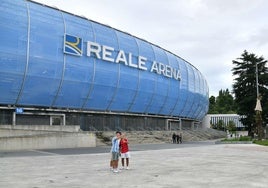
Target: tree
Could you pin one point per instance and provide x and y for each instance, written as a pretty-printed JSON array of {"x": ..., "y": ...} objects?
[
  {"x": 225, "y": 102},
  {"x": 244, "y": 87},
  {"x": 220, "y": 125},
  {"x": 222, "y": 104},
  {"x": 212, "y": 105},
  {"x": 231, "y": 127}
]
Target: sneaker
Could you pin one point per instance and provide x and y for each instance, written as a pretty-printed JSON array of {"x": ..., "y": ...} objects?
[
  {"x": 111, "y": 169},
  {"x": 122, "y": 168},
  {"x": 127, "y": 168},
  {"x": 116, "y": 171}
]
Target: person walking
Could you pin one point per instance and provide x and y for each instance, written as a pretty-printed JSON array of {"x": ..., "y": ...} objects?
[
  {"x": 178, "y": 138},
  {"x": 174, "y": 138},
  {"x": 125, "y": 154},
  {"x": 115, "y": 150}
]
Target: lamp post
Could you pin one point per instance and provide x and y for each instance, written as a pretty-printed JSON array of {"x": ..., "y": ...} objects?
[
  {"x": 257, "y": 80},
  {"x": 258, "y": 108}
]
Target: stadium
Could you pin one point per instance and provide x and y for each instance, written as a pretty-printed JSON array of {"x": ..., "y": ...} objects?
[{"x": 62, "y": 69}]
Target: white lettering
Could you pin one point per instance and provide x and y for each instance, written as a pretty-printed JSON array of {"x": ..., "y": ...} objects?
[
  {"x": 141, "y": 63},
  {"x": 94, "y": 48},
  {"x": 130, "y": 61},
  {"x": 154, "y": 67},
  {"x": 121, "y": 57},
  {"x": 162, "y": 69},
  {"x": 177, "y": 74},
  {"x": 107, "y": 53},
  {"x": 168, "y": 71},
  {"x": 165, "y": 70}
]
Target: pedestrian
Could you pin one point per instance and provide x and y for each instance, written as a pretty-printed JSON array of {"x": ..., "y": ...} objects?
[
  {"x": 125, "y": 154},
  {"x": 178, "y": 138},
  {"x": 174, "y": 138},
  {"x": 115, "y": 150}
]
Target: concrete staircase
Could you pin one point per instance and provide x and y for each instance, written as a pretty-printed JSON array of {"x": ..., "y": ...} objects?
[{"x": 142, "y": 137}]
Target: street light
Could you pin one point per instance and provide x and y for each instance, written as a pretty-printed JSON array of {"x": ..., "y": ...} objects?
[
  {"x": 257, "y": 80},
  {"x": 258, "y": 107}
]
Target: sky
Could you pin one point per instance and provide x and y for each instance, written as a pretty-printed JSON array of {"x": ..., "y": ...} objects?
[{"x": 207, "y": 33}]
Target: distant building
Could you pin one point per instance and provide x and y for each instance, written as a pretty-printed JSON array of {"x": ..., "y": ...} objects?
[{"x": 226, "y": 118}]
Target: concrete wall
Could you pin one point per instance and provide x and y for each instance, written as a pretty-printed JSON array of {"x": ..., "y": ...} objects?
[
  {"x": 14, "y": 132},
  {"x": 71, "y": 128},
  {"x": 22, "y": 137},
  {"x": 206, "y": 122},
  {"x": 48, "y": 141}
]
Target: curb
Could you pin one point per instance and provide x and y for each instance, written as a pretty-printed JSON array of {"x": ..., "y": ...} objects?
[{"x": 233, "y": 142}]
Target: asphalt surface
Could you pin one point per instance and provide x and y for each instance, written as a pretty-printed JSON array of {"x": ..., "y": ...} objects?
[
  {"x": 187, "y": 165},
  {"x": 100, "y": 149}
]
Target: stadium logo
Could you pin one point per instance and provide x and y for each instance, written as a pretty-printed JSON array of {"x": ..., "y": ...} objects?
[{"x": 72, "y": 45}]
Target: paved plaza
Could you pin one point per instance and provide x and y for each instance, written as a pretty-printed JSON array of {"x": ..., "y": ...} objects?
[{"x": 162, "y": 165}]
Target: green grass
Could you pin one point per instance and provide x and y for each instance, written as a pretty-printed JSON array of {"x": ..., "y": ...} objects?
[
  {"x": 242, "y": 138},
  {"x": 246, "y": 138},
  {"x": 261, "y": 142}
]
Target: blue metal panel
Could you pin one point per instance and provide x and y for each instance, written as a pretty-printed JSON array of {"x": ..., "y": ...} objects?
[
  {"x": 183, "y": 88},
  {"x": 203, "y": 98},
  {"x": 188, "y": 110},
  {"x": 45, "y": 61},
  {"x": 78, "y": 70},
  {"x": 128, "y": 81},
  {"x": 162, "y": 84},
  {"x": 146, "y": 80},
  {"x": 196, "y": 105},
  {"x": 13, "y": 50},
  {"x": 174, "y": 89},
  {"x": 107, "y": 73}
]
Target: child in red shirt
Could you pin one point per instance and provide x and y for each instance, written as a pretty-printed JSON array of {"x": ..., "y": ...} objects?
[{"x": 124, "y": 151}]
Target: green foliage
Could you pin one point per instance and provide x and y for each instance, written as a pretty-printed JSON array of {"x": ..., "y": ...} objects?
[
  {"x": 240, "y": 139},
  {"x": 219, "y": 125},
  {"x": 245, "y": 138},
  {"x": 222, "y": 104},
  {"x": 244, "y": 87},
  {"x": 231, "y": 127},
  {"x": 261, "y": 142}
]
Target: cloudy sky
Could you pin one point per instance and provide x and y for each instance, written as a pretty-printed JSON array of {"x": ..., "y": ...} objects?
[{"x": 207, "y": 33}]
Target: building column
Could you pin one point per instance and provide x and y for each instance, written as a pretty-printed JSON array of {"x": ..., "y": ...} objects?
[
  {"x": 14, "y": 119},
  {"x": 167, "y": 125},
  {"x": 192, "y": 125}
]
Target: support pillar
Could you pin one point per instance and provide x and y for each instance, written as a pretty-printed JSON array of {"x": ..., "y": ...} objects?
[
  {"x": 192, "y": 125},
  {"x": 167, "y": 125},
  {"x": 14, "y": 119}
]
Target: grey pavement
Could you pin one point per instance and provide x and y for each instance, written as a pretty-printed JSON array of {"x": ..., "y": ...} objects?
[
  {"x": 100, "y": 149},
  {"x": 201, "y": 164}
]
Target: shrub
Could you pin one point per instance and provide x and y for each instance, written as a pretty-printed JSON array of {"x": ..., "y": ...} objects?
[
  {"x": 245, "y": 138},
  {"x": 261, "y": 142},
  {"x": 241, "y": 138}
]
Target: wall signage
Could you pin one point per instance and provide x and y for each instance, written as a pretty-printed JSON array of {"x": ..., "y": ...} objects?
[{"x": 73, "y": 46}]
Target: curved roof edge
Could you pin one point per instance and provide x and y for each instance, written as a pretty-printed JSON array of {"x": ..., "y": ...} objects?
[{"x": 83, "y": 17}]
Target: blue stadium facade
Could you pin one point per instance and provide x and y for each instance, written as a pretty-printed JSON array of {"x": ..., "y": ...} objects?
[{"x": 56, "y": 62}]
